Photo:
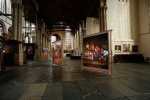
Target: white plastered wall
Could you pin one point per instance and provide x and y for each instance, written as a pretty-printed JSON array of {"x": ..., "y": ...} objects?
[
  {"x": 121, "y": 18},
  {"x": 92, "y": 25},
  {"x": 144, "y": 27}
]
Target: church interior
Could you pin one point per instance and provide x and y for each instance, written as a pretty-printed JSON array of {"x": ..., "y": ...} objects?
[{"x": 63, "y": 44}]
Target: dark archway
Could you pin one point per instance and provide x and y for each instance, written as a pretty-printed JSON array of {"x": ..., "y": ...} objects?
[{"x": 57, "y": 37}]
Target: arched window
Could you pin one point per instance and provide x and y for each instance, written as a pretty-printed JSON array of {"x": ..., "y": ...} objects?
[
  {"x": 68, "y": 40},
  {"x": 61, "y": 24},
  {"x": 2, "y": 6},
  {"x": 5, "y": 6}
]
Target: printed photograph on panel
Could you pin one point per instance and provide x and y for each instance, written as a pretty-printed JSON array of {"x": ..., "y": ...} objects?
[
  {"x": 95, "y": 51},
  {"x": 117, "y": 48},
  {"x": 134, "y": 48},
  {"x": 126, "y": 47},
  {"x": 57, "y": 52}
]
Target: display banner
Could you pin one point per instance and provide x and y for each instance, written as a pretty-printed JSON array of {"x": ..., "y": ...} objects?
[
  {"x": 57, "y": 52},
  {"x": 97, "y": 53}
]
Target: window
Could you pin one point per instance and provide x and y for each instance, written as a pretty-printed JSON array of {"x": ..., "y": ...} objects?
[
  {"x": 5, "y": 7},
  {"x": 68, "y": 40},
  {"x": 32, "y": 27},
  {"x": 61, "y": 24},
  {"x": 53, "y": 39},
  {"x": 8, "y": 6},
  {"x": 2, "y": 6}
]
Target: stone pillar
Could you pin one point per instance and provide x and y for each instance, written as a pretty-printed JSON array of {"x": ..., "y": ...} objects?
[
  {"x": 19, "y": 32},
  {"x": 46, "y": 42},
  {"x": 75, "y": 40},
  {"x": 48, "y": 46},
  {"x": 81, "y": 36},
  {"x": 43, "y": 40},
  {"x": 14, "y": 20},
  {"x": 78, "y": 38},
  {"x": 38, "y": 42},
  {"x": 102, "y": 16},
  {"x": 79, "y": 33}
]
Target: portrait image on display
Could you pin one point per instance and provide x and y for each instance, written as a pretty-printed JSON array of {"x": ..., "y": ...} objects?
[{"x": 95, "y": 51}]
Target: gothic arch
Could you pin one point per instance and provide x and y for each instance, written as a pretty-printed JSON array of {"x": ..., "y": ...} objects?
[{"x": 55, "y": 33}]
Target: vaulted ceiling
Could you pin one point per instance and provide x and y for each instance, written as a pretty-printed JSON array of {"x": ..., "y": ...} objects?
[{"x": 53, "y": 11}]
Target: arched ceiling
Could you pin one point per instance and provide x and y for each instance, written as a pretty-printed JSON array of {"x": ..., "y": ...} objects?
[{"x": 52, "y": 11}]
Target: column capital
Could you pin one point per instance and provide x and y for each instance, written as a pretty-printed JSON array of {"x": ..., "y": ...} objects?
[
  {"x": 103, "y": 2},
  {"x": 105, "y": 7},
  {"x": 102, "y": 7}
]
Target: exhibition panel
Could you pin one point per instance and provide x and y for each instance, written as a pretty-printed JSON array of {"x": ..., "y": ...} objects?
[{"x": 97, "y": 52}]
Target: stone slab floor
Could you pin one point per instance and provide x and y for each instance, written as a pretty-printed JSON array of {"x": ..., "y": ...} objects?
[{"x": 40, "y": 80}]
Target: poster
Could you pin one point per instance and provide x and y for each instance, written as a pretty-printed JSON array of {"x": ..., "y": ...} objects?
[
  {"x": 126, "y": 47},
  {"x": 57, "y": 52},
  {"x": 96, "y": 52},
  {"x": 134, "y": 48},
  {"x": 117, "y": 48}
]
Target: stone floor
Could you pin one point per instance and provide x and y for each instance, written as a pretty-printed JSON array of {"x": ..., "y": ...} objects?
[{"x": 40, "y": 80}]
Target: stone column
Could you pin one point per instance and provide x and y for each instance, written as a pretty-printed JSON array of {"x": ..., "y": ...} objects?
[
  {"x": 81, "y": 36},
  {"x": 19, "y": 32},
  {"x": 102, "y": 16},
  {"x": 79, "y": 33},
  {"x": 14, "y": 20},
  {"x": 45, "y": 41},
  {"x": 38, "y": 42},
  {"x": 45, "y": 44},
  {"x": 42, "y": 41},
  {"x": 50, "y": 47},
  {"x": 48, "y": 43},
  {"x": 43, "y": 36},
  {"x": 78, "y": 38},
  {"x": 75, "y": 40}
]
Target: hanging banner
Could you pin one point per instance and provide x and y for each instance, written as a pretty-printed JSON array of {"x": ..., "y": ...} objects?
[
  {"x": 57, "y": 52},
  {"x": 97, "y": 53}
]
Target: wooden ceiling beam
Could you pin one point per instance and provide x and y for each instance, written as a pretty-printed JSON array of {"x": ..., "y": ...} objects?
[
  {"x": 33, "y": 6},
  {"x": 92, "y": 7}
]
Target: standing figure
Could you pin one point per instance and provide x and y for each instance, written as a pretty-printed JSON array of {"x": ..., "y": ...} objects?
[{"x": 87, "y": 46}]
